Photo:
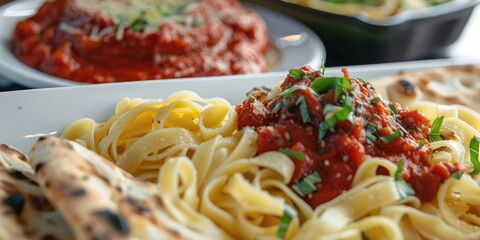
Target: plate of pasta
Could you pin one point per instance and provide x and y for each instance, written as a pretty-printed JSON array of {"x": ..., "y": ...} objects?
[{"x": 310, "y": 155}]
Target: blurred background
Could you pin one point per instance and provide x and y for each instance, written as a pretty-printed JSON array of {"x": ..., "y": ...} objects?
[
  {"x": 370, "y": 31},
  {"x": 358, "y": 32}
]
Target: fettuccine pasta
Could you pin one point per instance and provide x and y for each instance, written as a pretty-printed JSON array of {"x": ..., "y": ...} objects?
[{"x": 217, "y": 177}]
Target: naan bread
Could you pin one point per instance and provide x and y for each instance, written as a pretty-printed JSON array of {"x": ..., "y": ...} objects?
[
  {"x": 25, "y": 213},
  {"x": 449, "y": 85},
  {"x": 98, "y": 199}
]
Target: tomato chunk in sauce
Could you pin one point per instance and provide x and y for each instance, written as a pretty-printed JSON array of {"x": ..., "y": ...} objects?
[{"x": 337, "y": 123}]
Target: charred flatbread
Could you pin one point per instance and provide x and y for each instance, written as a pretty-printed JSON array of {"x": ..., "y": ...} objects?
[
  {"x": 25, "y": 213},
  {"x": 448, "y": 85},
  {"x": 98, "y": 199}
]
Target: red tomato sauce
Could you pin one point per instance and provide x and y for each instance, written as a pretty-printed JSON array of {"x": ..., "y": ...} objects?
[
  {"x": 373, "y": 128},
  {"x": 70, "y": 42}
]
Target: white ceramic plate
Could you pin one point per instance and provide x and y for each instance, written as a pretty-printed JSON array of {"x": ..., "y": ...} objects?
[
  {"x": 306, "y": 50},
  {"x": 27, "y": 114}
]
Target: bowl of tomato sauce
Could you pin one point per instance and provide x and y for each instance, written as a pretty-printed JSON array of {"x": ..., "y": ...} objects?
[
  {"x": 114, "y": 41},
  {"x": 90, "y": 42}
]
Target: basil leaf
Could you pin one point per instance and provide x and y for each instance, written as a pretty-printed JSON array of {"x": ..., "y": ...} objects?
[
  {"x": 393, "y": 109},
  {"x": 308, "y": 184},
  {"x": 277, "y": 107},
  {"x": 404, "y": 189},
  {"x": 292, "y": 153},
  {"x": 323, "y": 67},
  {"x": 371, "y": 138},
  {"x": 338, "y": 91},
  {"x": 391, "y": 137},
  {"x": 435, "y": 129},
  {"x": 325, "y": 126},
  {"x": 421, "y": 144},
  {"x": 296, "y": 73},
  {"x": 345, "y": 111},
  {"x": 291, "y": 90},
  {"x": 302, "y": 103},
  {"x": 285, "y": 102},
  {"x": 375, "y": 101},
  {"x": 288, "y": 214},
  {"x": 457, "y": 175},
  {"x": 122, "y": 20},
  {"x": 323, "y": 84},
  {"x": 329, "y": 108},
  {"x": 346, "y": 83},
  {"x": 474, "y": 149},
  {"x": 140, "y": 23},
  {"x": 339, "y": 116},
  {"x": 398, "y": 173},
  {"x": 370, "y": 132},
  {"x": 312, "y": 76}
]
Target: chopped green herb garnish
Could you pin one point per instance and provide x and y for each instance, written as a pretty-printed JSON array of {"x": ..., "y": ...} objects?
[
  {"x": 457, "y": 175},
  {"x": 391, "y": 137},
  {"x": 404, "y": 189},
  {"x": 296, "y": 73},
  {"x": 277, "y": 107},
  {"x": 308, "y": 184},
  {"x": 370, "y": 132},
  {"x": 122, "y": 20},
  {"x": 338, "y": 92},
  {"x": 140, "y": 23},
  {"x": 474, "y": 149},
  {"x": 375, "y": 101},
  {"x": 435, "y": 129},
  {"x": 393, "y": 109},
  {"x": 398, "y": 173},
  {"x": 323, "y": 67},
  {"x": 340, "y": 88},
  {"x": 371, "y": 138},
  {"x": 292, "y": 153},
  {"x": 339, "y": 116},
  {"x": 345, "y": 111},
  {"x": 421, "y": 144},
  {"x": 323, "y": 84},
  {"x": 302, "y": 103},
  {"x": 285, "y": 102},
  {"x": 311, "y": 76},
  {"x": 325, "y": 126},
  {"x": 197, "y": 22},
  {"x": 346, "y": 83},
  {"x": 288, "y": 214},
  {"x": 291, "y": 90},
  {"x": 329, "y": 108}
]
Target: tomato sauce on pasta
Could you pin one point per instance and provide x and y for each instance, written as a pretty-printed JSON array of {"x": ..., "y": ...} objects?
[{"x": 329, "y": 126}]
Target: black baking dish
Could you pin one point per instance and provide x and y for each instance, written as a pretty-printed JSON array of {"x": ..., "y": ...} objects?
[{"x": 406, "y": 36}]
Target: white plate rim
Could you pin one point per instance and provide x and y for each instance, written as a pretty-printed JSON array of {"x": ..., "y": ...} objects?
[{"x": 309, "y": 51}]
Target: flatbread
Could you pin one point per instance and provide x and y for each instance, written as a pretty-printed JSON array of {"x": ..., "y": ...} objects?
[
  {"x": 98, "y": 199},
  {"x": 448, "y": 85},
  {"x": 25, "y": 213}
]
